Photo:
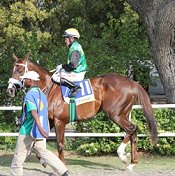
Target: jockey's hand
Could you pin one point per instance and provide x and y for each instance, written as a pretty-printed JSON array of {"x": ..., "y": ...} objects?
[{"x": 59, "y": 67}]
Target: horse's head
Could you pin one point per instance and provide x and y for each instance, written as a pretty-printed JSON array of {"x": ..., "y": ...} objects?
[{"x": 19, "y": 69}]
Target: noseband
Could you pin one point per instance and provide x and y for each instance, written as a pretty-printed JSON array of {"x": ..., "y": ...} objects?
[
  {"x": 19, "y": 84},
  {"x": 14, "y": 83}
]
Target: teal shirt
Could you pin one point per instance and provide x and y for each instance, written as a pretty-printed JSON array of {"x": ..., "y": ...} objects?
[
  {"x": 36, "y": 100},
  {"x": 28, "y": 123},
  {"x": 82, "y": 65}
]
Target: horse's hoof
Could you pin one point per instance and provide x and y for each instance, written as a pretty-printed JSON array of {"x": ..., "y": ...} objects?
[{"x": 130, "y": 167}]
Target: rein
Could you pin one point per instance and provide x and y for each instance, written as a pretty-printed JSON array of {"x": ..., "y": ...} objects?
[
  {"x": 51, "y": 81},
  {"x": 49, "y": 88},
  {"x": 46, "y": 85},
  {"x": 14, "y": 82},
  {"x": 25, "y": 65}
]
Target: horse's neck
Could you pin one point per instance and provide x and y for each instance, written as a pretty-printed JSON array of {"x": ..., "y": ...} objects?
[
  {"x": 45, "y": 82},
  {"x": 48, "y": 85}
]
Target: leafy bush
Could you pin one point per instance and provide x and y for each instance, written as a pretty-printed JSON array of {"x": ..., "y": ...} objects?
[
  {"x": 101, "y": 124},
  {"x": 7, "y": 124},
  {"x": 99, "y": 145}
]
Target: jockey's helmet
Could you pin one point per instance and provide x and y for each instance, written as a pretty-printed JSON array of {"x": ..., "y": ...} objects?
[{"x": 71, "y": 32}]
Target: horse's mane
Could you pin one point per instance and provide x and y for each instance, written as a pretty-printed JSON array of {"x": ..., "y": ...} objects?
[{"x": 40, "y": 67}]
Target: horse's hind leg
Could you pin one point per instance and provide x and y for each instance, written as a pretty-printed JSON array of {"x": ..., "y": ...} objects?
[
  {"x": 134, "y": 154},
  {"x": 130, "y": 130}
]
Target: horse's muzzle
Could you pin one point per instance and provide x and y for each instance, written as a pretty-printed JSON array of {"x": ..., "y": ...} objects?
[
  {"x": 11, "y": 92},
  {"x": 13, "y": 86}
]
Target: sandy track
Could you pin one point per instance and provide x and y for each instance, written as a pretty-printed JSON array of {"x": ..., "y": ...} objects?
[{"x": 95, "y": 166}]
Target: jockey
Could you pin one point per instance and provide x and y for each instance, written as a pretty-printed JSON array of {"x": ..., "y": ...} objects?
[{"x": 76, "y": 66}]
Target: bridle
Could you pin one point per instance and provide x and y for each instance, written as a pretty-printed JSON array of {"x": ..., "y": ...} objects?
[
  {"x": 24, "y": 65},
  {"x": 19, "y": 84},
  {"x": 15, "y": 83}
]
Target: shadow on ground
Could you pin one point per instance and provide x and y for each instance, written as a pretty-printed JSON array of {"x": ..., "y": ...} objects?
[{"x": 88, "y": 164}]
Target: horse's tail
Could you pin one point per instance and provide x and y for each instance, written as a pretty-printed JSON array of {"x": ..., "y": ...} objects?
[{"x": 144, "y": 101}]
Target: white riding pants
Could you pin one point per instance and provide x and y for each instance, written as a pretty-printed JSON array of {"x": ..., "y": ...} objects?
[{"x": 71, "y": 76}]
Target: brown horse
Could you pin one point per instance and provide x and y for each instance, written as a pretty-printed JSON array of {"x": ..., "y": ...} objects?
[{"x": 114, "y": 94}]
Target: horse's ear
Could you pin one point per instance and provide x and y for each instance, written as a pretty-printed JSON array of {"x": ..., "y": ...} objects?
[
  {"x": 15, "y": 57},
  {"x": 27, "y": 56}
]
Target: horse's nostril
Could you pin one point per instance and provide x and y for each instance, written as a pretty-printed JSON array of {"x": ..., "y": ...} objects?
[{"x": 11, "y": 92}]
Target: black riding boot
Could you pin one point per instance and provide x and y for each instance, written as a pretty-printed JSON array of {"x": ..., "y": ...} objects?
[{"x": 73, "y": 88}]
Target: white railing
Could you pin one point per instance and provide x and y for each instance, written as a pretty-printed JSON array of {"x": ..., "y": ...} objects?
[{"x": 70, "y": 134}]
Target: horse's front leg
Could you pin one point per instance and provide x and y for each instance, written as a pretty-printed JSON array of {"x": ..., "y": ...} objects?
[
  {"x": 60, "y": 130},
  {"x": 121, "y": 149}
]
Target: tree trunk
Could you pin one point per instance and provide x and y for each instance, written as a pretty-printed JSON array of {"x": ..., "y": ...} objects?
[{"x": 158, "y": 18}]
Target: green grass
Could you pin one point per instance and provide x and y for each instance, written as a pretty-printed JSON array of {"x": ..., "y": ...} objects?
[{"x": 96, "y": 166}]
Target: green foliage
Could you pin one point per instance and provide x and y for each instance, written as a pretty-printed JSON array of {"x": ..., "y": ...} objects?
[
  {"x": 112, "y": 40},
  {"x": 96, "y": 146},
  {"x": 7, "y": 124},
  {"x": 165, "y": 123},
  {"x": 112, "y": 36},
  {"x": 7, "y": 143}
]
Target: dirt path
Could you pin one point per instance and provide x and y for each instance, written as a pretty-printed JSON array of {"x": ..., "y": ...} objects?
[{"x": 95, "y": 166}]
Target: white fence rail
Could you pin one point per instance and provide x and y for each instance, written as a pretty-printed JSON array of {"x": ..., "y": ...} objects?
[{"x": 70, "y": 134}]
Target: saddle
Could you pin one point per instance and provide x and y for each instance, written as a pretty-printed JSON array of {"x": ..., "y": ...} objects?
[{"x": 82, "y": 96}]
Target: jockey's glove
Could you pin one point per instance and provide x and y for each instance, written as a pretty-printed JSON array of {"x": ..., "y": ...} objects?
[{"x": 59, "y": 67}]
